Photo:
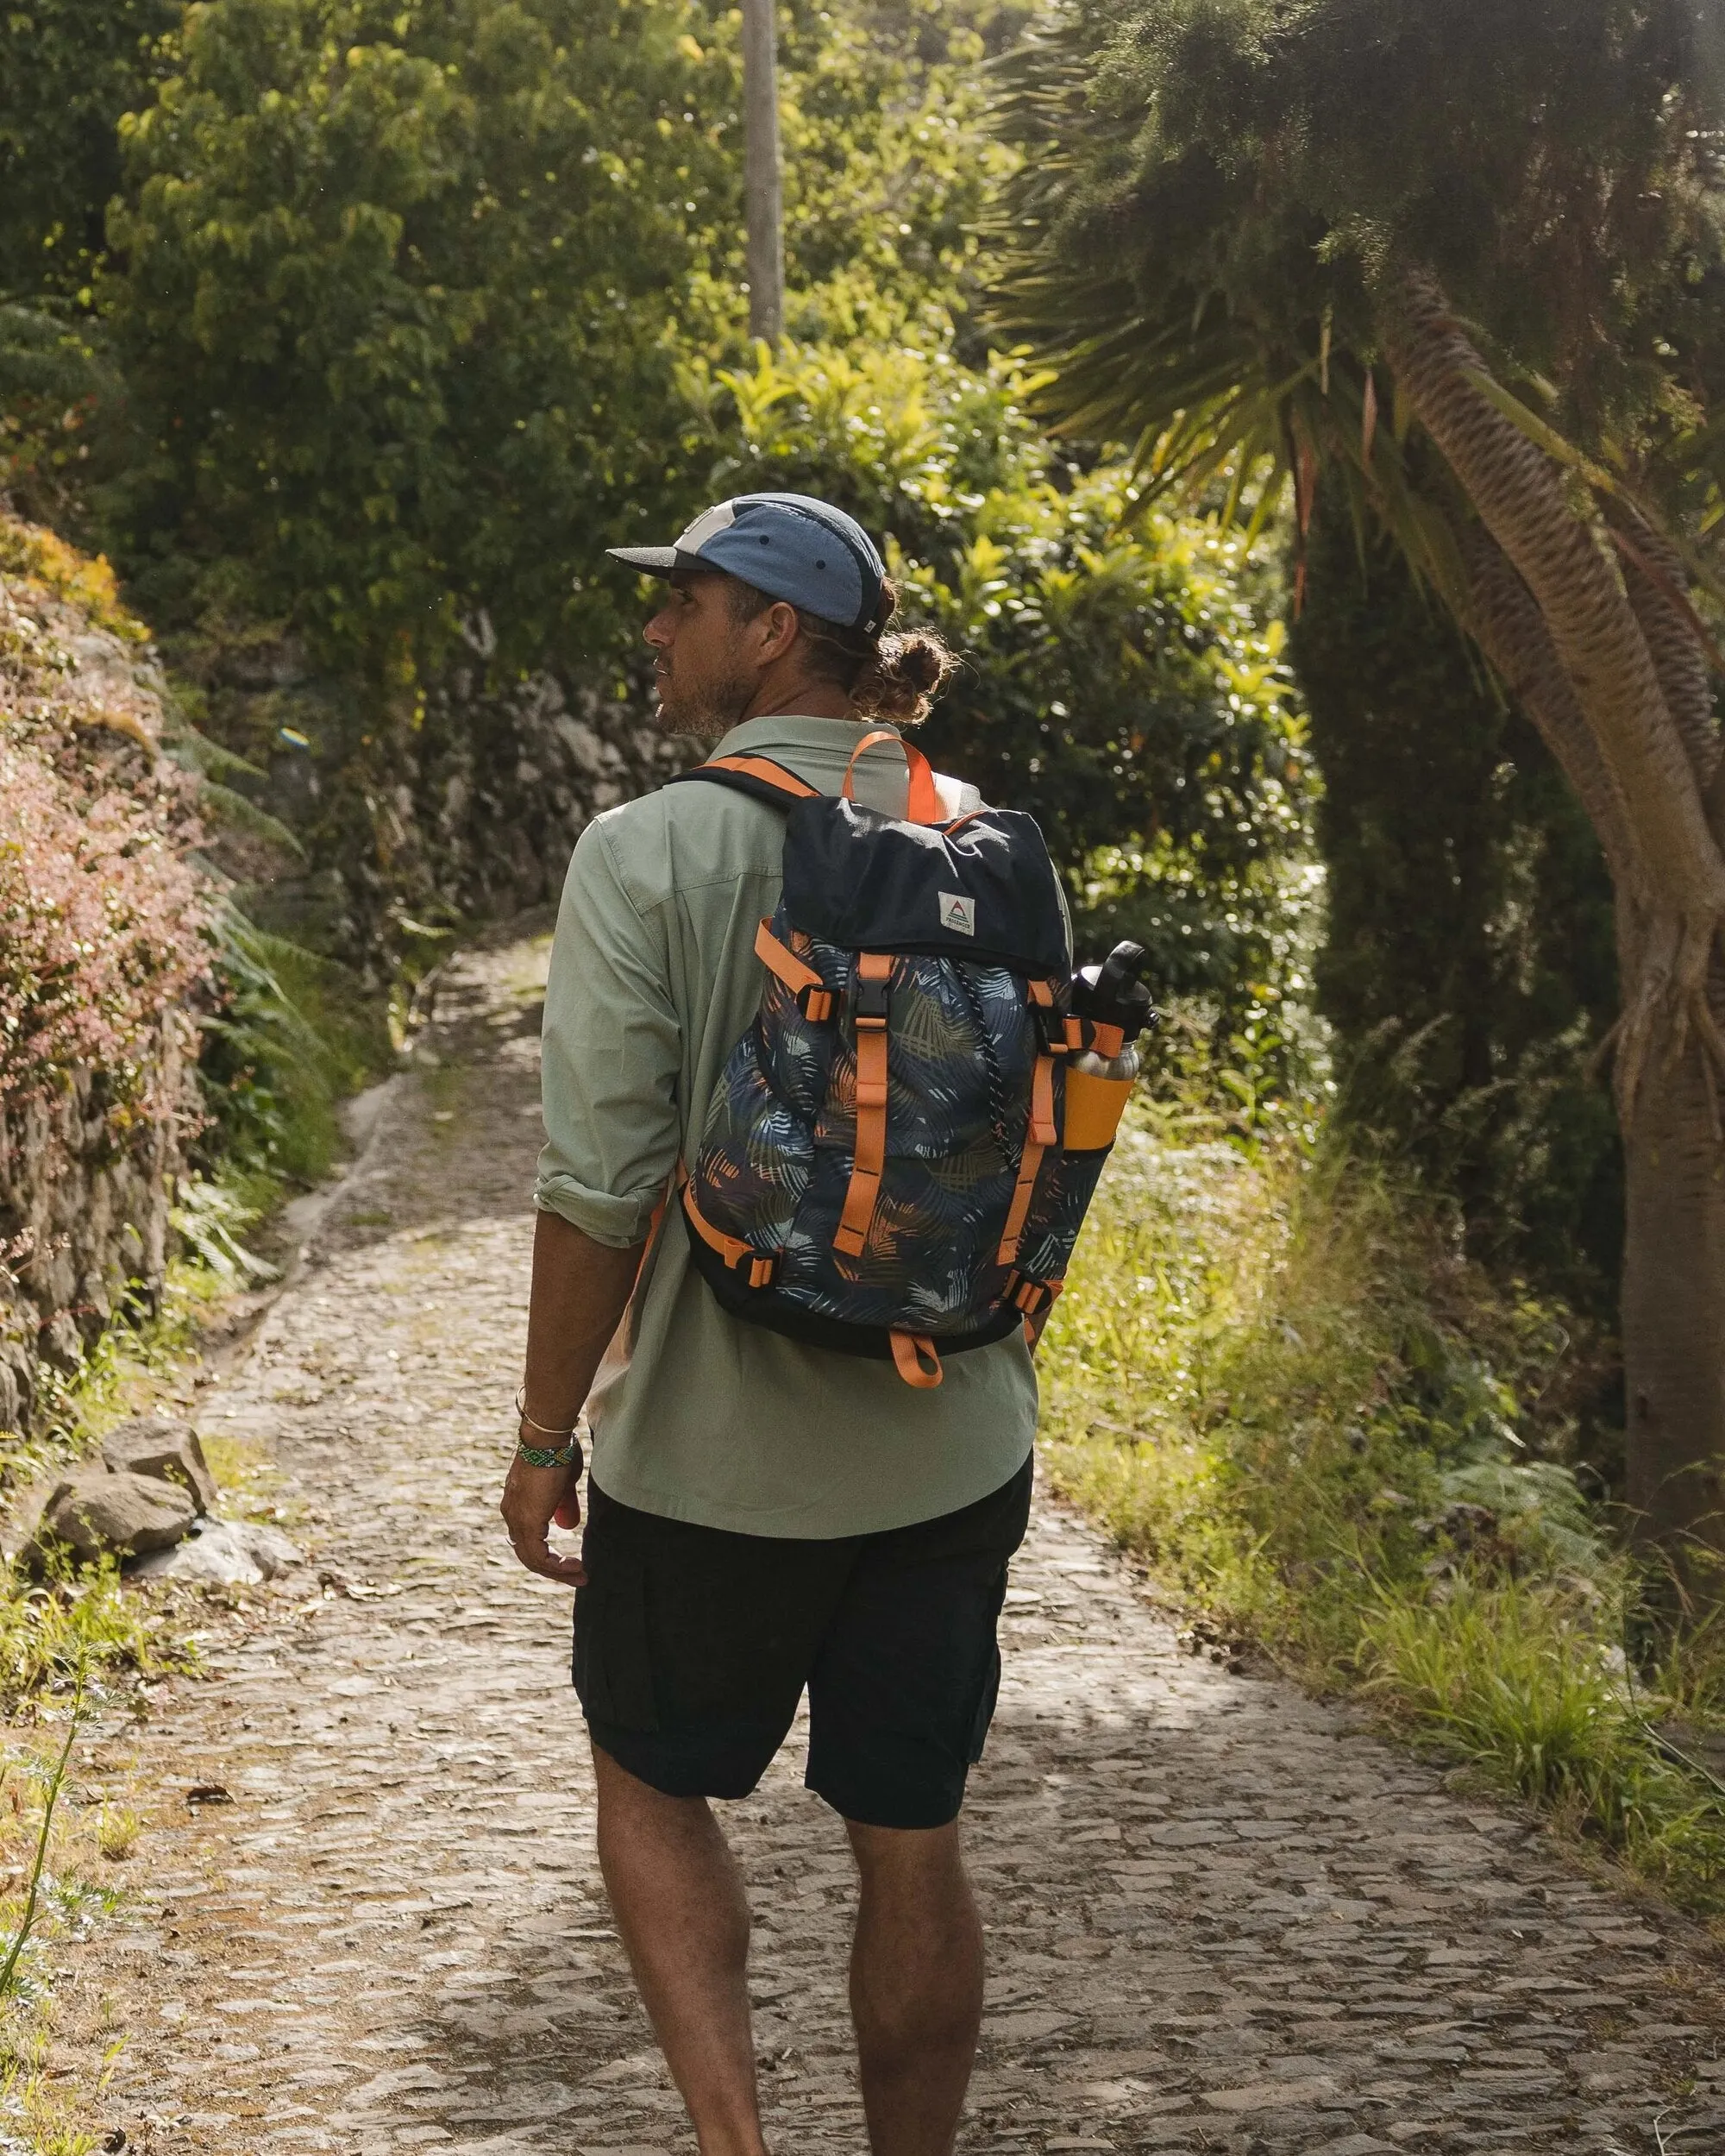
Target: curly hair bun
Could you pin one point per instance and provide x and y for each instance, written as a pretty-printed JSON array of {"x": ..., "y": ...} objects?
[{"x": 903, "y": 676}]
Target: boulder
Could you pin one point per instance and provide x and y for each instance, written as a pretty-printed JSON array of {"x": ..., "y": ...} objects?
[
  {"x": 101, "y": 1513},
  {"x": 24, "y": 1512},
  {"x": 166, "y": 1451},
  {"x": 236, "y": 1552}
]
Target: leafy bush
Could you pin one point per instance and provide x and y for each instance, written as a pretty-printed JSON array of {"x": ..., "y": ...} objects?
[
  {"x": 286, "y": 1039},
  {"x": 67, "y": 72},
  {"x": 1124, "y": 683},
  {"x": 396, "y": 288}
]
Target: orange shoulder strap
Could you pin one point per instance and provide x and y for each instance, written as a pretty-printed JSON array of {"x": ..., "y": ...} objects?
[{"x": 764, "y": 768}]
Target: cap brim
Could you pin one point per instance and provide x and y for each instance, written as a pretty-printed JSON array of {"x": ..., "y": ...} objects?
[{"x": 657, "y": 561}]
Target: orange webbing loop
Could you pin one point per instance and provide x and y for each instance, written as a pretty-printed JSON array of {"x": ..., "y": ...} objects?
[
  {"x": 919, "y": 1364},
  {"x": 763, "y": 768},
  {"x": 804, "y": 982},
  {"x": 1042, "y": 1129},
  {"x": 870, "y": 1159},
  {"x": 1041, "y": 1136},
  {"x": 761, "y": 1266},
  {"x": 923, "y": 803},
  {"x": 1058, "y": 1033}
]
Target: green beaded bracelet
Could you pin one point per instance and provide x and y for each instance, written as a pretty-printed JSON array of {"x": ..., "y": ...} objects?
[{"x": 567, "y": 1455}]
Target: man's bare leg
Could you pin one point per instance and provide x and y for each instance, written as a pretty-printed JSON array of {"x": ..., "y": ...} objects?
[
  {"x": 679, "y": 1906},
  {"x": 916, "y": 1986}
]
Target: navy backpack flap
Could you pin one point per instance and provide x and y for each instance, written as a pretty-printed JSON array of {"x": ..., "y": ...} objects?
[{"x": 981, "y": 889}]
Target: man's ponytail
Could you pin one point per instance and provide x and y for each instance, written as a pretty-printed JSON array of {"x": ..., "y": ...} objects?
[
  {"x": 901, "y": 678},
  {"x": 893, "y": 674}
]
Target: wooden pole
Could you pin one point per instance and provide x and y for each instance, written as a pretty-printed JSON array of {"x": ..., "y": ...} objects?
[{"x": 766, "y": 250}]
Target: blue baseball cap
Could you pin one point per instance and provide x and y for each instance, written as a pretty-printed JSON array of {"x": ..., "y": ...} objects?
[{"x": 789, "y": 546}]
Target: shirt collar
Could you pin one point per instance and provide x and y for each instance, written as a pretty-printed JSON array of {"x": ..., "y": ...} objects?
[{"x": 784, "y": 730}]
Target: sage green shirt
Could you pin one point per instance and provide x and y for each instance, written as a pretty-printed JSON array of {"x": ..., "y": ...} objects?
[{"x": 698, "y": 1415}]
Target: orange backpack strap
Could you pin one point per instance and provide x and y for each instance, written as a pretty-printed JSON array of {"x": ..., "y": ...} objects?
[
  {"x": 813, "y": 997},
  {"x": 1041, "y": 1136},
  {"x": 924, "y": 804},
  {"x": 873, "y": 971},
  {"x": 756, "y": 776},
  {"x": 757, "y": 1268}
]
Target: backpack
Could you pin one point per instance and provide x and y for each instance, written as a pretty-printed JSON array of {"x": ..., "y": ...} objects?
[{"x": 897, "y": 1158}]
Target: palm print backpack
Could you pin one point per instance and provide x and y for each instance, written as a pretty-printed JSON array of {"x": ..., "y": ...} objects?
[{"x": 897, "y": 1158}]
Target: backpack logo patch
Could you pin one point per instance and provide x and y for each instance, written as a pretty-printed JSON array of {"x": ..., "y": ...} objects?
[{"x": 959, "y": 914}]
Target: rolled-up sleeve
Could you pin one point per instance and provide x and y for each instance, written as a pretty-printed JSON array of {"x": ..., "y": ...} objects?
[{"x": 611, "y": 1054}]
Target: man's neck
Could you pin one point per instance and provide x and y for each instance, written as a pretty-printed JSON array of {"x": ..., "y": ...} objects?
[{"x": 798, "y": 699}]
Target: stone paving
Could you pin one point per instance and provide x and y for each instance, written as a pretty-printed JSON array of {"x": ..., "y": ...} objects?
[{"x": 1222, "y": 1916}]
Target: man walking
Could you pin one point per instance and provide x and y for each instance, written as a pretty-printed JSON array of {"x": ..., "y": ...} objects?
[{"x": 763, "y": 1517}]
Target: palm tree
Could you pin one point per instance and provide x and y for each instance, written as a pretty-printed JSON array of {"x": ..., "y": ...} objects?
[{"x": 1470, "y": 259}]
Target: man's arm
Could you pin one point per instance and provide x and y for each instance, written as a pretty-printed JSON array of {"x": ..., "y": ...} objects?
[{"x": 580, "y": 1290}]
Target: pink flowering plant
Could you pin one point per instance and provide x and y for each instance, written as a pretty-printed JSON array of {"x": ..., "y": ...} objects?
[
  {"x": 103, "y": 928},
  {"x": 104, "y": 922}
]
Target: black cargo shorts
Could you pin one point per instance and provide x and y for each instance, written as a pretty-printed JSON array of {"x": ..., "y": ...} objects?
[{"x": 694, "y": 1645}]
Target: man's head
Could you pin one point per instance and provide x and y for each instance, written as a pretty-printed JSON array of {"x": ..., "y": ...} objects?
[{"x": 778, "y": 603}]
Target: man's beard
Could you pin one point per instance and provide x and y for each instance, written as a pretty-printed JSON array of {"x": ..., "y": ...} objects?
[{"x": 707, "y": 710}]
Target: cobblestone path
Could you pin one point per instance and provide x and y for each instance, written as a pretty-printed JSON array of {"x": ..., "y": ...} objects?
[{"x": 1221, "y": 1917}]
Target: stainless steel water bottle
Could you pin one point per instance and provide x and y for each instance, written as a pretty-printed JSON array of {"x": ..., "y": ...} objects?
[{"x": 1112, "y": 1009}]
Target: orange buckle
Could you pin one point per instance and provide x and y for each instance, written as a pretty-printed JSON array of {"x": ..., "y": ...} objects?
[
  {"x": 1031, "y": 1296},
  {"x": 758, "y": 1268}
]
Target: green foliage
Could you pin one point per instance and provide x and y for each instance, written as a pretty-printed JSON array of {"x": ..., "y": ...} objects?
[
  {"x": 1217, "y": 197},
  {"x": 287, "y": 1039},
  {"x": 1328, "y": 1433},
  {"x": 68, "y": 71},
  {"x": 398, "y": 290},
  {"x": 1468, "y": 965},
  {"x": 1129, "y": 690},
  {"x": 889, "y": 165}
]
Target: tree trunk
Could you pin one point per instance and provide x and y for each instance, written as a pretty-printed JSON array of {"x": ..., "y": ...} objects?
[
  {"x": 1673, "y": 1307},
  {"x": 1520, "y": 498},
  {"x": 766, "y": 249},
  {"x": 1619, "y": 684}
]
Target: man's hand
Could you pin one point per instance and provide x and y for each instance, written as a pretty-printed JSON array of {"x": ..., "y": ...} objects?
[
  {"x": 531, "y": 1497},
  {"x": 580, "y": 1290}
]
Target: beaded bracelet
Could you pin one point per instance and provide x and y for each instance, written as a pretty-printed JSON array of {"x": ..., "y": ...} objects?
[{"x": 567, "y": 1455}]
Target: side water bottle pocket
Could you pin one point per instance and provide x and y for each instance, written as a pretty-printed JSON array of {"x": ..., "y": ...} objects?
[{"x": 1095, "y": 1105}]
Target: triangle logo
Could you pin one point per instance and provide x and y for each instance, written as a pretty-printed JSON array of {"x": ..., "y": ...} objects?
[{"x": 958, "y": 915}]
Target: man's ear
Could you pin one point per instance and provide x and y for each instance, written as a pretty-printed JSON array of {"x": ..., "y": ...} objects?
[{"x": 779, "y": 628}]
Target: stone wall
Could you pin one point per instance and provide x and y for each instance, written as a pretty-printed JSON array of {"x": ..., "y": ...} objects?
[
  {"x": 84, "y": 1209},
  {"x": 468, "y": 811}
]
